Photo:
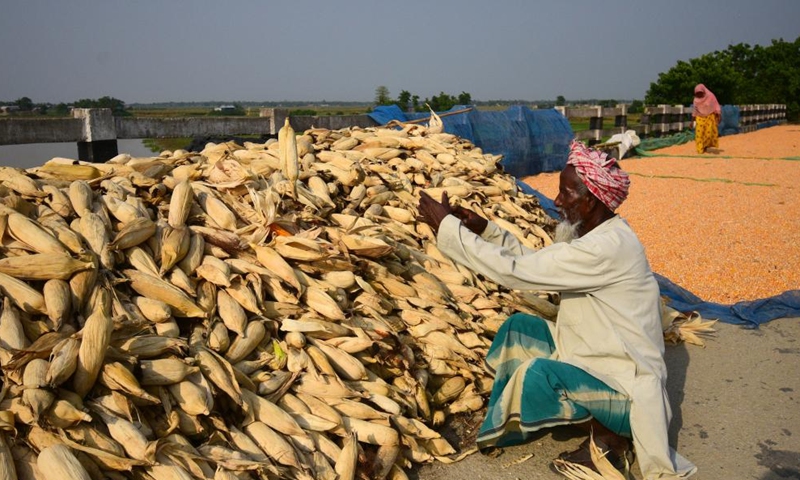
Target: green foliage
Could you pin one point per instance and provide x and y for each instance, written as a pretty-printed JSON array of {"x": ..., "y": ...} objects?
[
  {"x": 741, "y": 74},
  {"x": 116, "y": 105},
  {"x": 404, "y": 100},
  {"x": 303, "y": 111},
  {"x": 157, "y": 145},
  {"x": 25, "y": 104},
  {"x": 382, "y": 96},
  {"x": 440, "y": 102},
  {"x": 60, "y": 110},
  {"x": 561, "y": 101},
  {"x": 636, "y": 106}
]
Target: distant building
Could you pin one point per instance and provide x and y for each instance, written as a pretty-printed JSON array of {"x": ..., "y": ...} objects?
[
  {"x": 225, "y": 108},
  {"x": 6, "y": 109}
]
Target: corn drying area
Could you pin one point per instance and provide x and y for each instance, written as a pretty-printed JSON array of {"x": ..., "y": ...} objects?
[{"x": 251, "y": 311}]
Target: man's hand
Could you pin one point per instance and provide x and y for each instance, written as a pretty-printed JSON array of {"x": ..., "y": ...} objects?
[
  {"x": 433, "y": 212},
  {"x": 470, "y": 219}
]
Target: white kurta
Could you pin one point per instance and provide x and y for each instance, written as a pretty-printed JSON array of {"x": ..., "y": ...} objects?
[{"x": 609, "y": 320}]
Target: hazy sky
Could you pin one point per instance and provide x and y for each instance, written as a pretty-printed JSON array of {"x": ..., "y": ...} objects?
[{"x": 248, "y": 50}]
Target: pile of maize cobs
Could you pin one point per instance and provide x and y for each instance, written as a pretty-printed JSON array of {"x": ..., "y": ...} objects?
[{"x": 265, "y": 310}]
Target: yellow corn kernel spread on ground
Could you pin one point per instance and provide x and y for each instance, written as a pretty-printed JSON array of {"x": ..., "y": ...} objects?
[{"x": 722, "y": 228}]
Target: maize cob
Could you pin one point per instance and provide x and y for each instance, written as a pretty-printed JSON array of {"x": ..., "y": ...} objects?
[
  {"x": 59, "y": 462},
  {"x": 180, "y": 204}
]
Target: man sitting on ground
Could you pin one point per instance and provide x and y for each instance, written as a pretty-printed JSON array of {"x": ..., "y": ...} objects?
[{"x": 600, "y": 365}]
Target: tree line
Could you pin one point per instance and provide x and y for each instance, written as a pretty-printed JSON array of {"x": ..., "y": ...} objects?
[
  {"x": 410, "y": 102},
  {"x": 26, "y": 105},
  {"x": 739, "y": 75}
]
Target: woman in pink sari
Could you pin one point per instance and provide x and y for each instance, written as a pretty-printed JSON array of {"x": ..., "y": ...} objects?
[{"x": 706, "y": 114}]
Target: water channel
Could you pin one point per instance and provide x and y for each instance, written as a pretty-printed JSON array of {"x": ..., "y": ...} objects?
[{"x": 36, "y": 154}]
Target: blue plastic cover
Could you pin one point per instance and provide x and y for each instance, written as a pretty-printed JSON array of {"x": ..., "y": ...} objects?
[
  {"x": 748, "y": 313},
  {"x": 530, "y": 141},
  {"x": 729, "y": 120}
]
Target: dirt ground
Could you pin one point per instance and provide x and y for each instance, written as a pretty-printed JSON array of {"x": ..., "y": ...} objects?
[{"x": 724, "y": 226}]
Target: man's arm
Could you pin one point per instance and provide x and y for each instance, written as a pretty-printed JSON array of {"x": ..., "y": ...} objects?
[
  {"x": 433, "y": 213},
  {"x": 564, "y": 267}
]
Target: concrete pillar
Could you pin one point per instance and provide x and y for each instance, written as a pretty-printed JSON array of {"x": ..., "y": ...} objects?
[
  {"x": 99, "y": 136},
  {"x": 679, "y": 125},
  {"x": 621, "y": 120},
  {"x": 277, "y": 118}
]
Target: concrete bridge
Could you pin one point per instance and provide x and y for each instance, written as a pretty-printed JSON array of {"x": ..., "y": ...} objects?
[{"x": 96, "y": 130}]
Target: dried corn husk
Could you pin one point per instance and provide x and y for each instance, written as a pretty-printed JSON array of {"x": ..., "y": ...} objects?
[
  {"x": 22, "y": 295},
  {"x": 63, "y": 361},
  {"x": 33, "y": 235},
  {"x": 43, "y": 266},
  {"x": 180, "y": 204},
  {"x": 59, "y": 462},
  {"x": 12, "y": 335},
  {"x": 274, "y": 445},
  {"x": 95, "y": 338},
  {"x": 153, "y": 287}
]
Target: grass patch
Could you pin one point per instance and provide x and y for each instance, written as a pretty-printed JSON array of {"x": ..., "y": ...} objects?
[
  {"x": 158, "y": 145},
  {"x": 170, "y": 112}
]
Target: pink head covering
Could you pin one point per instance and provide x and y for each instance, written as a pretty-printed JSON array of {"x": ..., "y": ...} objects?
[
  {"x": 600, "y": 173},
  {"x": 706, "y": 104}
]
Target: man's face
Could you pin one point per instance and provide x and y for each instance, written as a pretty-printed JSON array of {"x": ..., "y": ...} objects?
[{"x": 572, "y": 196}]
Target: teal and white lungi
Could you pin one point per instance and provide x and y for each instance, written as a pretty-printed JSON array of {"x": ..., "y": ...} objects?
[{"x": 531, "y": 391}]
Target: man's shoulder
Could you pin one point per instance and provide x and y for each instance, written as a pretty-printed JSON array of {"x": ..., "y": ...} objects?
[
  {"x": 614, "y": 226},
  {"x": 615, "y": 235}
]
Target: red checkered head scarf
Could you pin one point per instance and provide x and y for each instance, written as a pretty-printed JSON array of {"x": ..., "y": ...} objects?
[{"x": 600, "y": 173}]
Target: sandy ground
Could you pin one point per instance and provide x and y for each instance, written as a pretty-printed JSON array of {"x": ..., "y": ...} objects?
[{"x": 725, "y": 227}]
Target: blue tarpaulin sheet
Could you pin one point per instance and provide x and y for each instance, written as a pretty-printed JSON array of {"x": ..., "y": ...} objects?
[
  {"x": 530, "y": 141},
  {"x": 729, "y": 120},
  {"x": 748, "y": 313}
]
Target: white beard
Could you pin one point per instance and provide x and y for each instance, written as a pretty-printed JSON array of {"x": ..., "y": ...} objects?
[{"x": 566, "y": 231}]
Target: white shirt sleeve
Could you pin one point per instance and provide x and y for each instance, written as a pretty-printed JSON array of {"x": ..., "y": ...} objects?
[{"x": 579, "y": 266}]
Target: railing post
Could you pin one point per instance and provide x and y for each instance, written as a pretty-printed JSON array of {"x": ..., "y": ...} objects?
[
  {"x": 621, "y": 119},
  {"x": 596, "y": 125},
  {"x": 663, "y": 120},
  {"x": 681, "y": 123},
  {"x": 644, "y": 122},
  {"x": 99, "y": 136}
]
